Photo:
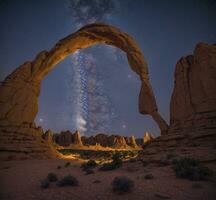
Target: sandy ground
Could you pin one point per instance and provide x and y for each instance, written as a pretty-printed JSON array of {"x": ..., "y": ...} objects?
[{"x": 20, "y": 180}]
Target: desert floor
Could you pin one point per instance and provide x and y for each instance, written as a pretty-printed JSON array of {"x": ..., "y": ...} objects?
[{"x": 20, "y": 180}]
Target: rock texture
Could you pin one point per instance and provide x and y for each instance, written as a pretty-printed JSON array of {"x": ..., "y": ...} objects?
[
  {"x": 147, "y": 137},
  {"x": 193, "y": 102},
  {"x": 67, "y": 138},
  {"x": 200, "y": 145},
  {"x": 48, "y": 136},
  {"x": 64, "y": 138},
  {"x": 131, "y": 141},
  {"x": 76, "y": 138},
  {"x": 117, "y": 141},
  {"x": 19, "y": 91},
  {"x": 192, "y": 131},
  {"x": 113, "y": 141},
  {"x": 25, "y": 142}
]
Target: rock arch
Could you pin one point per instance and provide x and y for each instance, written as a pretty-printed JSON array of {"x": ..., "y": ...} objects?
[{"x": 20, "y": 90}]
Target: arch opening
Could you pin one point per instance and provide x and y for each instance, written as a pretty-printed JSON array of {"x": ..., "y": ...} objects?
[{"x": 23, "y": 85}]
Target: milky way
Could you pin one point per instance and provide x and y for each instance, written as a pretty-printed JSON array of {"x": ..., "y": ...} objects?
[{"x": 93, "y": 112}]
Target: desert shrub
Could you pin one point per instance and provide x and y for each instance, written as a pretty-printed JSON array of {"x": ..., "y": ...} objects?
[
  {"x": 51, "y": 177},
  {"x": 117, "y": 160},
  {"x": 68, "y": 181},
  {"x": 89, "y": 171},
  {"x": 116, "y": 163},
  {"x": 67, "y": 164},
  {"x": 108, "y": 166},
  {"x": 148, "y": 176},
  {"x": 118, "y": 156},
  {"x": 122, "y": 184},
  {"x": 191, "y": 169},
  {"x": 44, "y": 184},
  {"x": 89, "y": 165}
]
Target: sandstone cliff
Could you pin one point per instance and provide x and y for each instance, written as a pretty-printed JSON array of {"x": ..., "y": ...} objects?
[{"x": 193, "y": 102}]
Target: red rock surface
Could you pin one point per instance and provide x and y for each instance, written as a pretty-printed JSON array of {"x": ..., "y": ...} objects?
[{"x": 193, "y": 102}]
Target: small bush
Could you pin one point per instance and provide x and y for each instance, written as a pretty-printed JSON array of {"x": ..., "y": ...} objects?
[
  {"x": 118, "y": 156},
  {"x": 110, "y": 166},
  {"x": 68, "y": 181},
  {"x": 44, "y": 184},
  {"x": 67, "y": 164},
  {"x": 116, "y": 163},
  {"x": 148, "y": 176},
  {"x": 51, "y": 177},
  {"x": 191, "y": 169},
  {"x": 89, "y": 165},
  {"x": 122, "y": 184}
]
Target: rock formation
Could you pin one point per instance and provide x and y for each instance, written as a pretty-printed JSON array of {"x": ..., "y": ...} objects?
[
  {"x": 192, "y": 108},
  {"x": 193, "y": 102},
  {"x": 48, "y": 136},
  {"x": 67, "y": 138},
  {"x": 192, "y": 131},
  {"x": 76, "y": 138},
  {"x": 20, "y": 90},
  {"x": 147, "y": 137},
  {"x": 117, "y": 141},
  {"x": 64, "y": 138},
  {"x": 113, "y": 141},
  {"x": 131, "y": 141},
  {"x": 25, "y": 142}
]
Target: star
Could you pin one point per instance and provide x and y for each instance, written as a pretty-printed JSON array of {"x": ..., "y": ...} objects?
[{"x": 124, "y": 126}]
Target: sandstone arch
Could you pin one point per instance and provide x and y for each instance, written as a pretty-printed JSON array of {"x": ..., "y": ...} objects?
[{"x": 20, "y": 90}]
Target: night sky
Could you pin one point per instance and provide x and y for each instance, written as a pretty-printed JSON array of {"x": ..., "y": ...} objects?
[{"x": 165, "y": 31}]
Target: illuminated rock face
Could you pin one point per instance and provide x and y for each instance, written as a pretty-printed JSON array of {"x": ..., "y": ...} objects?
[
  {"x": 19, "y": 91},
  {"x": 193, "y": 102},
  {"x": 131, "y": 141},
  {"x": 24, "y": 142},
  {"x": 117, "y": 141},
  {"x": 147, "y": 138},
  {"x": 76, "y": 138},
  {"x": 113, "y": 141}
]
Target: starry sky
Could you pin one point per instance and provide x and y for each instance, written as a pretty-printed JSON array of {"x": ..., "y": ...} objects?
[{"x": 94, "y": 90}]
